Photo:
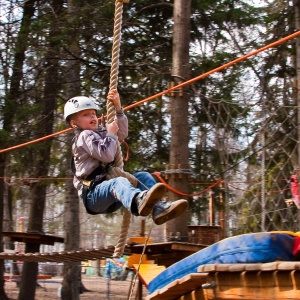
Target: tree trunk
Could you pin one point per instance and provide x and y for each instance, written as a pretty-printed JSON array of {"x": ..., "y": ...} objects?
[
  {"x": 41, "y": 164},
  {"x": 179, "y": 149},
  {"x": 10, "y": 108},
  {"x": 71, "y": 271}
]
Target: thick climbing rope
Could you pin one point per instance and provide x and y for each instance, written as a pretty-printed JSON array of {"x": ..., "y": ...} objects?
[{"x": 117, "y": 170}]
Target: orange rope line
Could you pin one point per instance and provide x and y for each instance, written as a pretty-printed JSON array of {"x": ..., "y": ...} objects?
[
  {"x": 271, "y": 45},
  {"x": 35, "y": 141},
  {"x": 36, "y": 178},
  {"x": 125, "y": 159},
  {"x": 157, "y": 174},
  {"x": 229, "y": 183}
]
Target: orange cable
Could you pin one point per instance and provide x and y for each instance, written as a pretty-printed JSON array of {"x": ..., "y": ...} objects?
[
  {"x": 157, "y": 174},
  {"x": 229, "y": 183},
  {"x": 36, "y": 178},
  {"x": 289, "y": 37},
  {"x": 125, "y": 159}
]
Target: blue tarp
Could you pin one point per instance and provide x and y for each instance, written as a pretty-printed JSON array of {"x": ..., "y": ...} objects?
[{"x": 247, "y": 248}]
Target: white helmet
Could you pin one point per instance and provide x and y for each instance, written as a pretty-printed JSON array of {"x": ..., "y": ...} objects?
[{"x": 77, "y": 104}]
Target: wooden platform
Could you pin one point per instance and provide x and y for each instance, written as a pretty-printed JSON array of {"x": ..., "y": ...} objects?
[
  {"x": 14, "y": 277},
  {"x": 65, "y": 256},
  {"x": 179, "y": 287},
  {"x": 276, "y": 281},
  {"x": 166, "y": 254},
  {"x": 33, "y": 237},
  {"x": 147, "y": 272}
]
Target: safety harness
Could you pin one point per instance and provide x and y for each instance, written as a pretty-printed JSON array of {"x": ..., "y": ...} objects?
[{"x": 96, "y": 177}]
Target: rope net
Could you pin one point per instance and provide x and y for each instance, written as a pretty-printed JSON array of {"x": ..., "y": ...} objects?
[{"x": 255, "y": 159}]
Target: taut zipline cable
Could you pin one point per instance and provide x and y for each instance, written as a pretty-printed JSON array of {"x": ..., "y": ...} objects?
[{"x": 188, "y": 82}]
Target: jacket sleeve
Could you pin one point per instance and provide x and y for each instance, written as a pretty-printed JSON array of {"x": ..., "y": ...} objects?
[
  {"x": 123, "y": 124},
  {"x": 94, "y": 145}
]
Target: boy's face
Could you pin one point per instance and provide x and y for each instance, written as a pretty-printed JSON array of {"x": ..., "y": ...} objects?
[{"x": 85, "y": 119}]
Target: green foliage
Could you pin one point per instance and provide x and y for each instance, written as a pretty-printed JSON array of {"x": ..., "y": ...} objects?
[{"x": 222, "y": 115}]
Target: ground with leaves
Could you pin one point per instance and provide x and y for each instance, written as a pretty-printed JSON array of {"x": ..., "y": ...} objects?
[{"x": 99, "y": 288}]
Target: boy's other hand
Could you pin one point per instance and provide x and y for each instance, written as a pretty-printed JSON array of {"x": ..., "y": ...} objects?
[
  {"x": 113, "y": 96},
  {"x": 112, "y": 127}
]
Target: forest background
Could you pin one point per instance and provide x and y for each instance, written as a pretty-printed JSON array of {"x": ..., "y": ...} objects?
[{"x": 240, "y": 124}]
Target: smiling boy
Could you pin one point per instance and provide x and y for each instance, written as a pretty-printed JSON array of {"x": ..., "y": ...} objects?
[{"x": 94, "y": 149}]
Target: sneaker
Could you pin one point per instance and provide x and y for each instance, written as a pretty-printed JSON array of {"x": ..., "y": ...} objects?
[
  {"x": 165, "y": 211},
  {"x": 146, "y": 200}
]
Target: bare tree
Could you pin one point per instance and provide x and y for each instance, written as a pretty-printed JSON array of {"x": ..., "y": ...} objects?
[
  {"x": 10, "y": 106},
  {"x": 179, "y": 148},
  {"x": 71, "y": 271},
  {"x": 41, "y": 163}
]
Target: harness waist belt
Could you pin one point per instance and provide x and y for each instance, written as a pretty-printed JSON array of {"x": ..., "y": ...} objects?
[{"x": 87, "y": 183}]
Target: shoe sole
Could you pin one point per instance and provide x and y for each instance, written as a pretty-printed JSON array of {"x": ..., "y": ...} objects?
[
  {"x": 178, "y": 208},
  {"x": 155, "y": 194}
]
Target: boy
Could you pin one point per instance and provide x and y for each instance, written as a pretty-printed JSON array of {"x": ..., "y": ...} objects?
[{"x": 94, "y": 150}]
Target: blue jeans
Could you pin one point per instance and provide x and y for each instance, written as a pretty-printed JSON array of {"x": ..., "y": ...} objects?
[{"x": 110, "y": 195}]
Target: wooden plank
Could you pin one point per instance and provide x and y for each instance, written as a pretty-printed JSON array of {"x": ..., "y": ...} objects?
[
  {"x": 160, "y": 248},
  {"x": 6, "y": 277},
  {"x": 288, "y": 265},
  {"x": 187, "y": 247},
  {"x": 236, "y": 267},
  {"x": 295, "y": 279},
  {"x": 200, "y": 268},
  {"x": 261, "y": 281},
  {"x": 253, "y": 267},
  {"x": 229, "y": 267},
  {"x": 258, "y": 281},
  {"x": 147, "y": 272},
  {"x": 166, "y": 253},
  {"x": 33, "y": 237},
  {"x": 209, "y": 268},
  {"x": 59, "y": 256},
  {"x": 198, "y": 294},
  {"x": 163, "y": 293},
  {"x": 168, "y": 259},
  {"x": 179, "y": 287},
  {"x": 254, "y": 285},
  {"x": 272, "y": 266}
]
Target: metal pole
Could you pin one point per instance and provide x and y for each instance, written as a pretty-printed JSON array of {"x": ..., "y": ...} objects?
[
  {"x": 263, "y": 187},
  {"x": 222, "y": 210}
]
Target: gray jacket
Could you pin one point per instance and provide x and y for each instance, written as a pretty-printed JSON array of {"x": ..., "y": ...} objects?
[{"x": 94, "y": 148}]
